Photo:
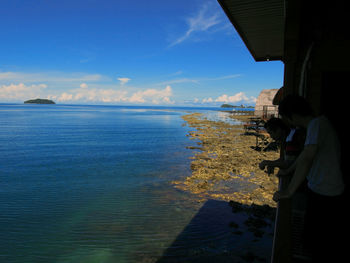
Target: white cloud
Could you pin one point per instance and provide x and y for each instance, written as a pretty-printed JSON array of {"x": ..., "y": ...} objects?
[
  {"x": 85, "y": 94},
  {"x": 123, "y": 81},
  {"x": 239, "y": 97},
  {"x": 152, "y": 95},
  {"x": 18, "y": 92},
  {"x": 77, "y": 88},
  {"x": 207, "y": 100},
  {"x": 204, "y": 20},
  {"x": 83, "y": 85},
  {"x": 21, "y": 92},
  {"x": 65, "y": 97},
  {"x": 94, "y": 95}
]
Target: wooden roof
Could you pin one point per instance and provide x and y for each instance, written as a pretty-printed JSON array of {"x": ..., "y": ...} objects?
[{"x": 260, "y": 23}]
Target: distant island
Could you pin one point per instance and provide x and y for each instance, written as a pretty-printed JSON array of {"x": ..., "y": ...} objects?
[
  {"x": 39, "y": 101},
  {"x": 233, "y": 106}
]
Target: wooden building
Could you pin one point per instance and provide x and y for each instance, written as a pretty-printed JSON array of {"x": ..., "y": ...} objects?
[
  {"x": 264, "y": 106},
  {"x": 312, "y": 39}
]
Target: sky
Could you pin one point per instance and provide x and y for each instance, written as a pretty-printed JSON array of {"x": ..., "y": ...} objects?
[{"x": 121, "y": 52}]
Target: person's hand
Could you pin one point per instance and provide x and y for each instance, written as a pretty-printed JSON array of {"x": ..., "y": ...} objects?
[
  {"x": 270, "y": 169},
  {"x": 284, "y": 194},
  {"x": 262, "y": 165}
]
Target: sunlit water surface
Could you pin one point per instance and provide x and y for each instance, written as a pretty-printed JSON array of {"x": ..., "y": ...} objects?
[{"x": 92, "y": 184}]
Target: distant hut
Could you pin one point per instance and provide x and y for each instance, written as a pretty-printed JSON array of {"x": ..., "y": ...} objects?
[{"x": 264, "y": 106}]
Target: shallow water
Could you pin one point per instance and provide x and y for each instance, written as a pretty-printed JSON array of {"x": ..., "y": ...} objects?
[
  {"x": 221, "y": 116},
  {"x": 92, "y": 184}
]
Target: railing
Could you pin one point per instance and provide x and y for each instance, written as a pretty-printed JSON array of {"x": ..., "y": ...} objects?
[
  {"x": 282, "y": 242},
  {"x": 269, "y": 111},
  {"x": 288, "y": 245}
]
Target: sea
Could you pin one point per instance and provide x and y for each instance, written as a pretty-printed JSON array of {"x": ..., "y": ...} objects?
[{"x": 93, "y": 184}]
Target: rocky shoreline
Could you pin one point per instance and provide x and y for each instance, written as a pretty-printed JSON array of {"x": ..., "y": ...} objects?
[{"x": 225, "y": 164}]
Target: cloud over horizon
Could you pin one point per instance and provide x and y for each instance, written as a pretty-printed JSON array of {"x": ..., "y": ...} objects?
[
  {"x": 84, "y": 94},
  {"x": 16, "y": 92},
  {"x": 99, "y": 89},
  {"x": 239, "y": 98}
]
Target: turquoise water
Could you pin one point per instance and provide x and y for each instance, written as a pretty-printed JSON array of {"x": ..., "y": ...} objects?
[{"x": 92, "y": 184}]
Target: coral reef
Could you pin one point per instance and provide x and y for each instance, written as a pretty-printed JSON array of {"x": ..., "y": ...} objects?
[{"x": 225, "y": 164}]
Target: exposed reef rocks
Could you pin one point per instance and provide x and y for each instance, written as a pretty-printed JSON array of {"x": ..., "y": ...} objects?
[{"x": 225, "y": 165}]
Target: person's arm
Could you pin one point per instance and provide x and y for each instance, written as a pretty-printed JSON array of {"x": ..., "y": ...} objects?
[
  {"x": 302, "y": 168},
  {"x": 289, "y": 169},
  {"x": 279, "y": 163},
  {"x": 274, "y": 163}
]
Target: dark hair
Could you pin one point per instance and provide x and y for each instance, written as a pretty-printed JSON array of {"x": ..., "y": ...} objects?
[
  {"x": 294, "y": 104},
  {"x": 275, "y": 123}
]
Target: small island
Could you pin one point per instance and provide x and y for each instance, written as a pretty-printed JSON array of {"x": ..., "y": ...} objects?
[
  {"x": 39, "y": 101},
  {"x": 228, "y": 106},
  {"x": 234, "y": 106}
]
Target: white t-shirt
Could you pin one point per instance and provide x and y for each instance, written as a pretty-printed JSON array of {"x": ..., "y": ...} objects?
[
  {"x": 325, "y": 176},
  {"x": 289, "y": 138}
]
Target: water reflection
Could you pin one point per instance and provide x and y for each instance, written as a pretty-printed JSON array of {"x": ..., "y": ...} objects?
[{"x": 221, "y": 116}]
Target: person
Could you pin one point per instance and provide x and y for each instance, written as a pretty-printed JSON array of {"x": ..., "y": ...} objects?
[
  {"x": 319, "y": 163},
  {"x": 291, "y": 141}
]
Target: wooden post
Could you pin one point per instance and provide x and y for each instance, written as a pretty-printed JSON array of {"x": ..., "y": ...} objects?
[{"x": 282, "y": 242}]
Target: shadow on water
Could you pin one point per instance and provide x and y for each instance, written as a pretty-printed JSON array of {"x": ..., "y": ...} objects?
[{"x": 224, "y": 232}]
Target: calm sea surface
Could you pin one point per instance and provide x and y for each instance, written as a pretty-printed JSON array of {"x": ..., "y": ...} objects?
[{"x": 92, "y": 184}]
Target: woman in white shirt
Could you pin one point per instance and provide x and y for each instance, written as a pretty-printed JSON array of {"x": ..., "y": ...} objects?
[{"x": 319, "y": 163}]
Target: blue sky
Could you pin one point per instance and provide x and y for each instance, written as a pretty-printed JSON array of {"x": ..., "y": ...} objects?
[{"x": 121, "y": 52}]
